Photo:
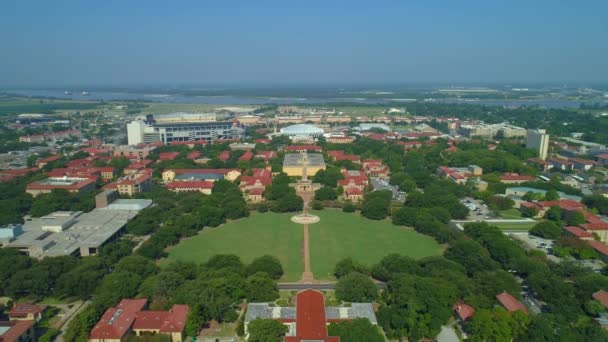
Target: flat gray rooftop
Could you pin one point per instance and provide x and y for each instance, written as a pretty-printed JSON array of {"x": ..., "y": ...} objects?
[
  {"x": 89, "y": 230},
  {"x": 295, "y": 159}
]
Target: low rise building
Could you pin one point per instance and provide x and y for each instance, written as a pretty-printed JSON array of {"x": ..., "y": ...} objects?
[
  {"x": 190, "y": 186},
  {"x": 515, "y": 178},
  {"x": 308, "y": 320},
  {"x": 132, "y": 183},
  {"x": 210, "y": 175},
  {"x": 510, "y": 303},
  {"x": 294, "y": 164},
  {"x": 26, "y": 312},
  {"x": 17, "y": 331},
  {"x": 133, "y": 152},
  {"x": 375, "y": 168},
  {"x": 130, "y": 318},
  {"x": 70, "y": 184},
  {"x": 75, "y": 233}
]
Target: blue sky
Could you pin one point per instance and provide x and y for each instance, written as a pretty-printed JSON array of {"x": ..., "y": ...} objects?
[{"x": 301, "y": 42}]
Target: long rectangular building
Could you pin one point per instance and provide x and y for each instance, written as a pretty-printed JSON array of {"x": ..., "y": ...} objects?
[
  {"x": 75, "y": 233},
  {"x": 181, "y": 127}
]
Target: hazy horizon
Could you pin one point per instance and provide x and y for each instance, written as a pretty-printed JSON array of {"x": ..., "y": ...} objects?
[{"x": 275, "y": 43}]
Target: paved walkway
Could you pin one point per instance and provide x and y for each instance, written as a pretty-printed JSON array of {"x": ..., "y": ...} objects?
[{"x": 307, "y": 276}]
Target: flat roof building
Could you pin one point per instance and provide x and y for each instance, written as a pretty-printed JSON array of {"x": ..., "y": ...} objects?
[
  {"x": 71, "y": 184},
  {"x": 75, "y": 233}
]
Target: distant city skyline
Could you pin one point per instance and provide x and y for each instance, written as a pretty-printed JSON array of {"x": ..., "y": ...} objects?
[{"x": 244, "y": 43}]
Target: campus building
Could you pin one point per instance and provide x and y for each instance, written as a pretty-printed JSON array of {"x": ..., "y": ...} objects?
[
  {"x": 74, "y": 232},
  {"x": 209, "y": 175},
  {"x": 181, "y": 127},
  {"x": 294, "y": 163},
  {"x": 308, "y": 320},
  {"x": 70, "y": 184},
  {"x": 129, "y": 318}
]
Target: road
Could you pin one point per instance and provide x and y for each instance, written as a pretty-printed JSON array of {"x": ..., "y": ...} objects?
[{"x": 320, "y": 287}]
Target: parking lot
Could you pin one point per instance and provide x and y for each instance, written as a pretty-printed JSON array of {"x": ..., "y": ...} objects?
[{"x": 477, "y": 209}]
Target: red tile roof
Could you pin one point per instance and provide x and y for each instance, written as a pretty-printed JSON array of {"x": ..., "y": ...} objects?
[
  {"x": 463, "y": 310},
  {"x": 83, "y": 182},
  {"x": 562, "y": 203},
  {"x": 262, "y": 141},
  {"x": 256, "y": 191},
  {"x": 310, "y": 318},
  {"x": 510, "y": 303},
  {"x": 353, "y": 192},
  {"x": 50, "y": 159},
  {"x": 247, "y": 156},
  {"x": 602, "y": 297},
  {"x": 193, "y": 155},
  {"x": 595, "y": 226},
  {"x": 116, "y": 322},
  {"x": 225, "y": 155},
  {"x": 599, "y": 246},
  {"x": 266, "y": 155},
  {"x": 576, "y": 231},
  {"x": 23, "y": 309},
  {"x": 16, "y": 329},
  {"x": 168, "y": 155}
]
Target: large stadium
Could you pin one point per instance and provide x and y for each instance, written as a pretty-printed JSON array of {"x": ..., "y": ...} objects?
[{"x": 302, "y": 130}]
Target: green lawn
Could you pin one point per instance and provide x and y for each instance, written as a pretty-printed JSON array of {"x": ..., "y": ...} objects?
[
  {"x": 336, "y": 236},
  {"x": 525, "y": 226},
  {"x": 339, "y": 235},
  {"x": 510, "y": 214},
  {"x": 248, "y": 238}
]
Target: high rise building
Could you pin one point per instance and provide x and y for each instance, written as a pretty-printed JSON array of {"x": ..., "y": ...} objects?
[{"x": 538, "y": 140}]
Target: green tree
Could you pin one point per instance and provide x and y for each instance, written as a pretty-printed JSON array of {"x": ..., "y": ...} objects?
[
  {"x": 347, "y": 266},
  {"x": 261, "y": 288},
  {"x": 551, "y": 195},
  {"x": 547, "y": 230},
  {"x": 574, "y": 218},
  {"x": 356, "y": 330},
  {"x": 266, "y": 330},
  {"x": 267, "y": 264},
  {"x": 356, "y": 287},
  {"x": 325, "y": 193}
]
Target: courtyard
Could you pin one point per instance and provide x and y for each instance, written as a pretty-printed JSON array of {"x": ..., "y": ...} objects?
[{"x": 336, "y": 236}]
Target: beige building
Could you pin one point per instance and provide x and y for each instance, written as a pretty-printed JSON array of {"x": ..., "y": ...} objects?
[
  {"x": 538, "y": 140},
  {"x": 132, "y": 184},
  {"x": 294, "y": 163}
]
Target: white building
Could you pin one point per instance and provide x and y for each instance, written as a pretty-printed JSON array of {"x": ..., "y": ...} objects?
[{"x": 538, "y": 140}]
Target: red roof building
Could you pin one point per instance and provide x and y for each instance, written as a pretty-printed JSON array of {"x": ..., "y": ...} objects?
[
  {"x": 262, "y": 141},
  {"x": 17, "y": 331},
  {"x": 510, "y": 303},
  {"x": 579, "y": 233},
  {"x": 310, "y": 319},
  {"x": 7, "y": 175},
  {"x": 70, "y": 184},
  {"x": 168, "y": 156},
  {"x": 137, "y": 166},
  {"x": 186, "y": 186},
  {"x": 602, "y": 297},
  {"x": 266, "y": 155},
  {"x": 194, "y": 155},
  {"x": 24, "y": 311},
  {"x": 260, "y": 178},
  {"x": 599, "y": 247},
  {"x": 247, "y": 156},
  {"x": 225, "y": 155},
  {"x": 463, "y": 311},
  {"x": 129, "y": 316},
  {"x": 42, "y": 162},
  {"x": 116, "y": 322}
]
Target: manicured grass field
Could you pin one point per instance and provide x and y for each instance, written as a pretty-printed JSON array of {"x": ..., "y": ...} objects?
[
  {"x": 249, "y": 238},
  {"x": 525, "y": 226},
  {"x": 336, "y": 236},
  {"x": 510, "y": 214},
  {"x": 339, "y": 235}
]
